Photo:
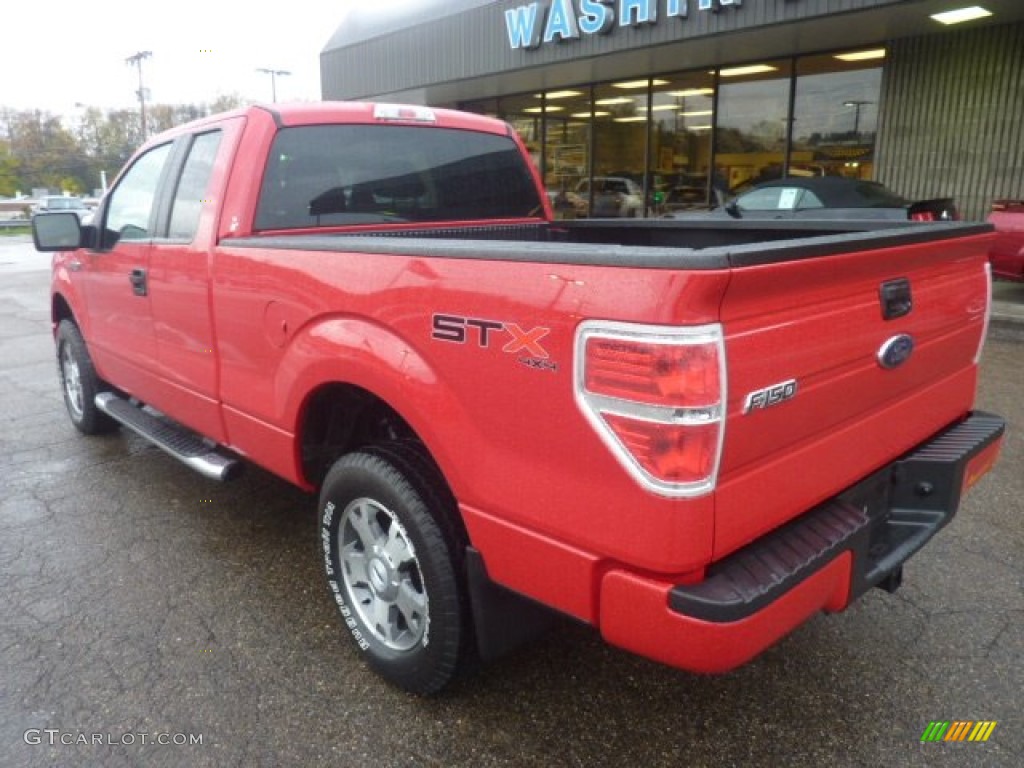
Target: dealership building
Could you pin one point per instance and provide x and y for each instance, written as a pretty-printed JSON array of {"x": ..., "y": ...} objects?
[{"x": 697, "y": 96}]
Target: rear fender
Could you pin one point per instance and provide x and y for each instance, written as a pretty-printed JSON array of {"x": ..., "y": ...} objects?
[{"x": 355, "y": 351}]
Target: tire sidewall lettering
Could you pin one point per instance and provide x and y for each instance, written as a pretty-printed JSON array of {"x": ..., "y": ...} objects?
[{"x": 396, "y": 481}]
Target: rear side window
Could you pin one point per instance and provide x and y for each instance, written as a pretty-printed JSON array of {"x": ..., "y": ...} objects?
[
  {"x": 340, "y": 175},
  {"x": 192, "y": 187}
]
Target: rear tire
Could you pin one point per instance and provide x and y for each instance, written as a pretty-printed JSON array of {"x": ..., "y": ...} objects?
[
  {"x": 394, "y": 563},
  {"x": 79, "y": 382}
]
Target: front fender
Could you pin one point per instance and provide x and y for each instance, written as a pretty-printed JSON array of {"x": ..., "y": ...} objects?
[{"x": 66, "y": 297}]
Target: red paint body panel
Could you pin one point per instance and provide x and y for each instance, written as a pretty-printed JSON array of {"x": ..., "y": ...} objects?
[
  {"x": 635, "y": 616},
  {"x": 382, "y": 343},
  {"x": 1007, "y": 254},
  {"x": 236, "y": 337},
  {"x": 795, "y": 321},
  {"x": 569, "y": 577}
]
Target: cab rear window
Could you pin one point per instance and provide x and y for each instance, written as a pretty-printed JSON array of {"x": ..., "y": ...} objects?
[{"x": 342, "y": 175}]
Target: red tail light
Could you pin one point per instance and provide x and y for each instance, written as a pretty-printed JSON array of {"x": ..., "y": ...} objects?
[
  {"x": 656, "y": 395},
  {"x": 923, "y": 216}
]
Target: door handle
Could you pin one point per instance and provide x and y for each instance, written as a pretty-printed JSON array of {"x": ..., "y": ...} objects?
[{"x": 138, "y": 281}]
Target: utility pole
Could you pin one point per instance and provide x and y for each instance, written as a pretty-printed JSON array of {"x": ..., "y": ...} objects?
[
  {"x": 273, "y": 79},
  {"x": 137, "y": 60},
  {"x": 856, "y": 104}
]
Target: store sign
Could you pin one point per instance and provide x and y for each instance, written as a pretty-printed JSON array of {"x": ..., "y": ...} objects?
[{"x": 540, "y": 23}]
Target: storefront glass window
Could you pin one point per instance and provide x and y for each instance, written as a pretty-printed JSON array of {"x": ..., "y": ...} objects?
[
  {"x": 488, "y": 107},
  {"x": 753, "y": 107},
  {"x": 682, "y": 115},
  {"x": 525, "y": 113},
  {"x": 671, "y": 143},
  {"x": 620, "y": 149},
  {"x": 567, "y": 148},
  {"x": 836, "y": 114}
]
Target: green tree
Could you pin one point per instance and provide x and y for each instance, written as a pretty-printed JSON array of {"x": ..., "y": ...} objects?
[
  {"x": 46, "y": 152},
  {"x": 106, "y": 141},
  {"x": 226, "y": 102},
  {"x": 161, "y": 117},
  {"x": 37, "y": 150},
  {"x": 9, "y": 182}
]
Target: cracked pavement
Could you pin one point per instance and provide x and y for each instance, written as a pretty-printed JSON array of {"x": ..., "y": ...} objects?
[{"x": 137, "y": 597}]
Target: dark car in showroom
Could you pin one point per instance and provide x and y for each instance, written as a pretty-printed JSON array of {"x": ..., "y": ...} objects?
[{"x": 831, "y": 197}]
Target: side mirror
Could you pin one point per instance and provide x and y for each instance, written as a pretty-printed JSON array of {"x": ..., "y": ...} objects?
[
  {"x": 733, "y": 209},
  {"x": 57, "y": 232}
]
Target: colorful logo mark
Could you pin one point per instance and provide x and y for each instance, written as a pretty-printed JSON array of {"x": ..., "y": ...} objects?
[{"x": 958, "y": 730}]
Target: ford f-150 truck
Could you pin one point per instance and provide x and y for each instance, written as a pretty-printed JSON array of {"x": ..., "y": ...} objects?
[
  {"x": 693, "y": 436},
  {"x": 1007, "y": 253}
]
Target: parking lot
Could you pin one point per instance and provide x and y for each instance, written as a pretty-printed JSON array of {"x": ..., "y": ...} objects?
[{"x": 138, "y": 601}]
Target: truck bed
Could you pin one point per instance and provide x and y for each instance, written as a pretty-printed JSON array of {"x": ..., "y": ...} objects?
[{"x": 656, "y": 244}]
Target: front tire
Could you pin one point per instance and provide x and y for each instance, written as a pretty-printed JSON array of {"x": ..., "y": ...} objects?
[
  {"x": 79, "y": 382},
  {"x": 394, "y": 564}
]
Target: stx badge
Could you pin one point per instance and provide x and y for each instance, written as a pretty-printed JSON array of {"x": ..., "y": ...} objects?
[{"x": 462, "y": 330}]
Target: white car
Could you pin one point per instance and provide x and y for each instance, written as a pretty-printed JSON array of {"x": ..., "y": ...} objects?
[
  {"x": 614, "y": 196},
  {"x": 62, "y": 203}
]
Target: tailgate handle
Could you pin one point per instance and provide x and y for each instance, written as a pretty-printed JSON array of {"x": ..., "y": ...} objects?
[{"x": 894, "y": 296}]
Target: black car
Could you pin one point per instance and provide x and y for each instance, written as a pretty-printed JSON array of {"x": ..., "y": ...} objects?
[{"x": 832, "y": 197}]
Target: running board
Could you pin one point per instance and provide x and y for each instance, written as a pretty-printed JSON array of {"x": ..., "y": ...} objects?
[{"x": 184, "y": 445}]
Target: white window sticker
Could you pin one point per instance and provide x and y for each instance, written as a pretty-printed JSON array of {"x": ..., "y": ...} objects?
[{"x": 787, "y": 200}]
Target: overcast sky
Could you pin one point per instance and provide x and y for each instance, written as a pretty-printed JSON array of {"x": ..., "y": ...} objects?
[{"x": 55, "y": 54}]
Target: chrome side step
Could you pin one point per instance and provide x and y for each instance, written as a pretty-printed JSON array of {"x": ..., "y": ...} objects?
[{"x": 179, "y": 442}]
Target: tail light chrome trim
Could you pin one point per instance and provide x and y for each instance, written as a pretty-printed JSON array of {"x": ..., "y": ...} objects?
[{"x": 604, "y": 411}]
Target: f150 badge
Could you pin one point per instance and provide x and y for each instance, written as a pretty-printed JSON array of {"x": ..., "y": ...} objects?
[
  {"x": 467, "y": 330},
  {"x": 771, "y": 396}
]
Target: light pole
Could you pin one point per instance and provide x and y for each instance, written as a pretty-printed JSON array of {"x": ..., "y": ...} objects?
[
  {"x": 137, "y": 59},
  {"x": 273, "y": 79},
  {"x": 856, "y": 115}
]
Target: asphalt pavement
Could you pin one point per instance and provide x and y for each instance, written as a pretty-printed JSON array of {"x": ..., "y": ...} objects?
[{"x": 142, "y": 603}]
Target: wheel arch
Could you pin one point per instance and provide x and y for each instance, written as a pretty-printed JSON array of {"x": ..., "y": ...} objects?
[
  {"x": 60, "y": 309},
  {"x": 355, "y": 383},
  {"x": 338, "y": 417}
]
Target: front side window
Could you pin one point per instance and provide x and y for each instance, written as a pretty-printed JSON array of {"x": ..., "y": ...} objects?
[
  {"x": 130, "y": 211},
  {"x": 341, "y": 175},
  {"x": 779, "y": 199},
  {"x": 767, "y": 199}
]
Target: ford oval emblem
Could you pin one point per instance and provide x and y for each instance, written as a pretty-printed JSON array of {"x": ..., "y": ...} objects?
[{"x": 896, "y": 351}]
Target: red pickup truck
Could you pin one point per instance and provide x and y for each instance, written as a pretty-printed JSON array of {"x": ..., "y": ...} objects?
[
  {"x": 693, "y": 436},
  {"x": 1007, "y": 254}
]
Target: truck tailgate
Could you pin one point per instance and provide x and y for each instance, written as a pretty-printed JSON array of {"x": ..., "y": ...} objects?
[{"x": 832, "y": 374}]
